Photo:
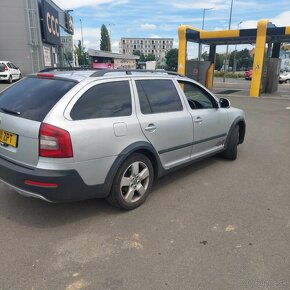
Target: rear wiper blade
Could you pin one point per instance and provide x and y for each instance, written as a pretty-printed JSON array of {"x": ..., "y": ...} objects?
[{"x": 10, "y": 111}]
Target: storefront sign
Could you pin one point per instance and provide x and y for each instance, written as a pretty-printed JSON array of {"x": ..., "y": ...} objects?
[
  {"x": 50, "y": 24},
  {"x": 47, "y": 56},
  {"x": 69, "y": 26}
]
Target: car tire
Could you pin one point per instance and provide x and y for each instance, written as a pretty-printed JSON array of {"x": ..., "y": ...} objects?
[
  {"x": 20, "y": 76},
  {"x": 10, "y": 80},
  {"x": 231, "y": 152},
  {"x": 130, "y": 189}
]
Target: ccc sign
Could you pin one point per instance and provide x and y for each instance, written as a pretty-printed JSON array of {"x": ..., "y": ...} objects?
[{"x": 50, "y": 24}]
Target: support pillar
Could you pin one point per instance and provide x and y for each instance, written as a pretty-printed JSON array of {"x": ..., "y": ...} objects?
[
  {"x": 276, "y": 50},
  {"x": 210, "y": 71},
  {"x": 259, "y": 58},
  {"x": 182, "y": 49}
]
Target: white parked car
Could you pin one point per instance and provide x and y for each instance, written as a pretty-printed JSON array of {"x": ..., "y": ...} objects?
[
  {"x": 284, "y": 78},
  {"x": 9, "y": 72}
]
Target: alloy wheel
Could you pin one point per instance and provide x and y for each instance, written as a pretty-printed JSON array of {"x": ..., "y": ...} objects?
[{"x": 134, "y": 182}]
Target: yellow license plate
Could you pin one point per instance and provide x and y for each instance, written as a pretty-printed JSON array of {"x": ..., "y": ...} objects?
[{"x": 8, "y": 138}]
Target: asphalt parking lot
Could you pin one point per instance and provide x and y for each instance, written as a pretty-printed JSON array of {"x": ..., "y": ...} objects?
[{"x": 214, "y": 225}]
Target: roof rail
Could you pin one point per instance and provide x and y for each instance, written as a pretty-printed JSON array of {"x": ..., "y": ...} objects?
[
  {"x": 77, "y": 68},
  {"x": 103, "y": 72}
]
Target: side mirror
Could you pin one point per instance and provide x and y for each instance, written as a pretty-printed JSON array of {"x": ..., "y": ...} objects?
[{"x": 224, "y": 103}]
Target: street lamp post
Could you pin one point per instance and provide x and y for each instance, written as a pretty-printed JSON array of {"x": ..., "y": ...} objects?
[
  {"x": 82, "y": 33},
  {"x": 110, "y": 44},
  {"x": 199, "y": 45},
  {"x": 227, "y": 51},
  {"x": 235, "y": 53},
  {"x": 82, "y": 42}
]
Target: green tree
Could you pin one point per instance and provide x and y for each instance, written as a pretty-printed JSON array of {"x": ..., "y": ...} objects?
[
  {"x": 139, "y": 53},
  {"x": 244, "y": 59},
  {"x": 105, "y": 39},
  {"x": 172, "y": 59},
  {"x": 69, "y": 56},
  {"x": 81, "y": 53},
  {"x": 205, "y": 56},
  {"x": 150, "y": 57},
  {"x": 219, "y": 60}
]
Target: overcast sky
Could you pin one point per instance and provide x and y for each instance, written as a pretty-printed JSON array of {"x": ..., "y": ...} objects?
[{"x": 161, "y": 18}]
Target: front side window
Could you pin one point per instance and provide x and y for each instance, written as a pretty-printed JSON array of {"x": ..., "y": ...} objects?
[
  {"x": 158, "y": 96},
  {"x": 105, "y": 100},
  {"x": 197, "y": 97}
]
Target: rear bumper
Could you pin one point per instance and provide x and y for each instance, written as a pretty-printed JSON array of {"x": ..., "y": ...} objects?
[
  {"x": 4, "y": 77},
  {"x": 70, "y": 186}
]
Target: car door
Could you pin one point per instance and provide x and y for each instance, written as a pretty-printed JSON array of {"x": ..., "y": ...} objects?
[
  {"x": 11, "y": 70},
  {"x": 164, "y": 119},
  {"x": 102, "y": 121},
  {"x": 16, "y": 71},
  {"x": 210, "y": 122}
]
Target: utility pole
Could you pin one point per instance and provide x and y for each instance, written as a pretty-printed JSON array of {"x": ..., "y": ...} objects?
[
  {"x": 82, "y": 33},
  {"x": 110, "y": 44},
  {"x": 226, "y": 58},
  {"x": 199, "y": 45},
  {"x": 82, "y": 44},
  {"x": 235, "y": 52}
]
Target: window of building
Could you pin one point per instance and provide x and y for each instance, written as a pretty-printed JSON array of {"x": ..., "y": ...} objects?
[
  {"x": 158, "y": 96},
  {"x": 101, "y": 101}
]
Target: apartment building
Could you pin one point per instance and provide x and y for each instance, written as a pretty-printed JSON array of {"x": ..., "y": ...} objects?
[{"x": 157, "y": 46}]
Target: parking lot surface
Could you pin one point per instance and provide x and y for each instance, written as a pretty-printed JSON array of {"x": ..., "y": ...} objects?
[{"x": 216, "y": 224}]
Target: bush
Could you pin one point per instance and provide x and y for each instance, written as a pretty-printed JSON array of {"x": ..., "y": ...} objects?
[{"x": 228, "y": 74}]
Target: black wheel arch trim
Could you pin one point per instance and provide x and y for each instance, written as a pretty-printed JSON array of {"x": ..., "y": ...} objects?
[
  {"x": 238, "y": 120},
  {"x": 135, "y": 147}
]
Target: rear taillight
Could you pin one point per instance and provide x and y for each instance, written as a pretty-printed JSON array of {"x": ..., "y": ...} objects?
[
  {"x": 5, "y": 67},
  {"x": 54, "y": 142}
]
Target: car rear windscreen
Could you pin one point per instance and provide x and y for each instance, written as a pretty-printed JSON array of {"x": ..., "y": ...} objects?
[
  {"x": 2, "y": 68},
  {"x": 32, "y": 98}
]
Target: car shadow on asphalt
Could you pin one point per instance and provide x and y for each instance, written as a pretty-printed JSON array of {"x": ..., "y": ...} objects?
[{"x": 40, "y": 214}]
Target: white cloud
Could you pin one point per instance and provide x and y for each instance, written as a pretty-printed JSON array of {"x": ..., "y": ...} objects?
[
  {"x": 91, "y": 37},
  {"x": 115, "y": 46},
  {"x": 72, "y": 4},
  {"x": 148, "y": 26},
  {"x": 154, "y": 36},
  {"x": 199, "y": 5},
  {"x": 215, "y": 4},
  {"x": 282, "y": 19}
]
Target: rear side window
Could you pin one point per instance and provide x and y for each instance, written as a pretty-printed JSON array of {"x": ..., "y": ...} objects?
[
  {"x": 33, "y": 98},
  {"x": 158, "y": 96},
  {"x": 105, "y": 100}
]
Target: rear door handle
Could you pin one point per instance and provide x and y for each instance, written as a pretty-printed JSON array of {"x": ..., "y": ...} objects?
[
  {"x": 198, "y": 120},
  {"x": 151, "y": 128}
]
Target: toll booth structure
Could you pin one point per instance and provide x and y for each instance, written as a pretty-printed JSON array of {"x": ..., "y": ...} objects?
[{"x": 266, "y": 68}]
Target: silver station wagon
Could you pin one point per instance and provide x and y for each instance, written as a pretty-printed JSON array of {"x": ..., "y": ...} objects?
[{"x": 74, "y": 135}]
